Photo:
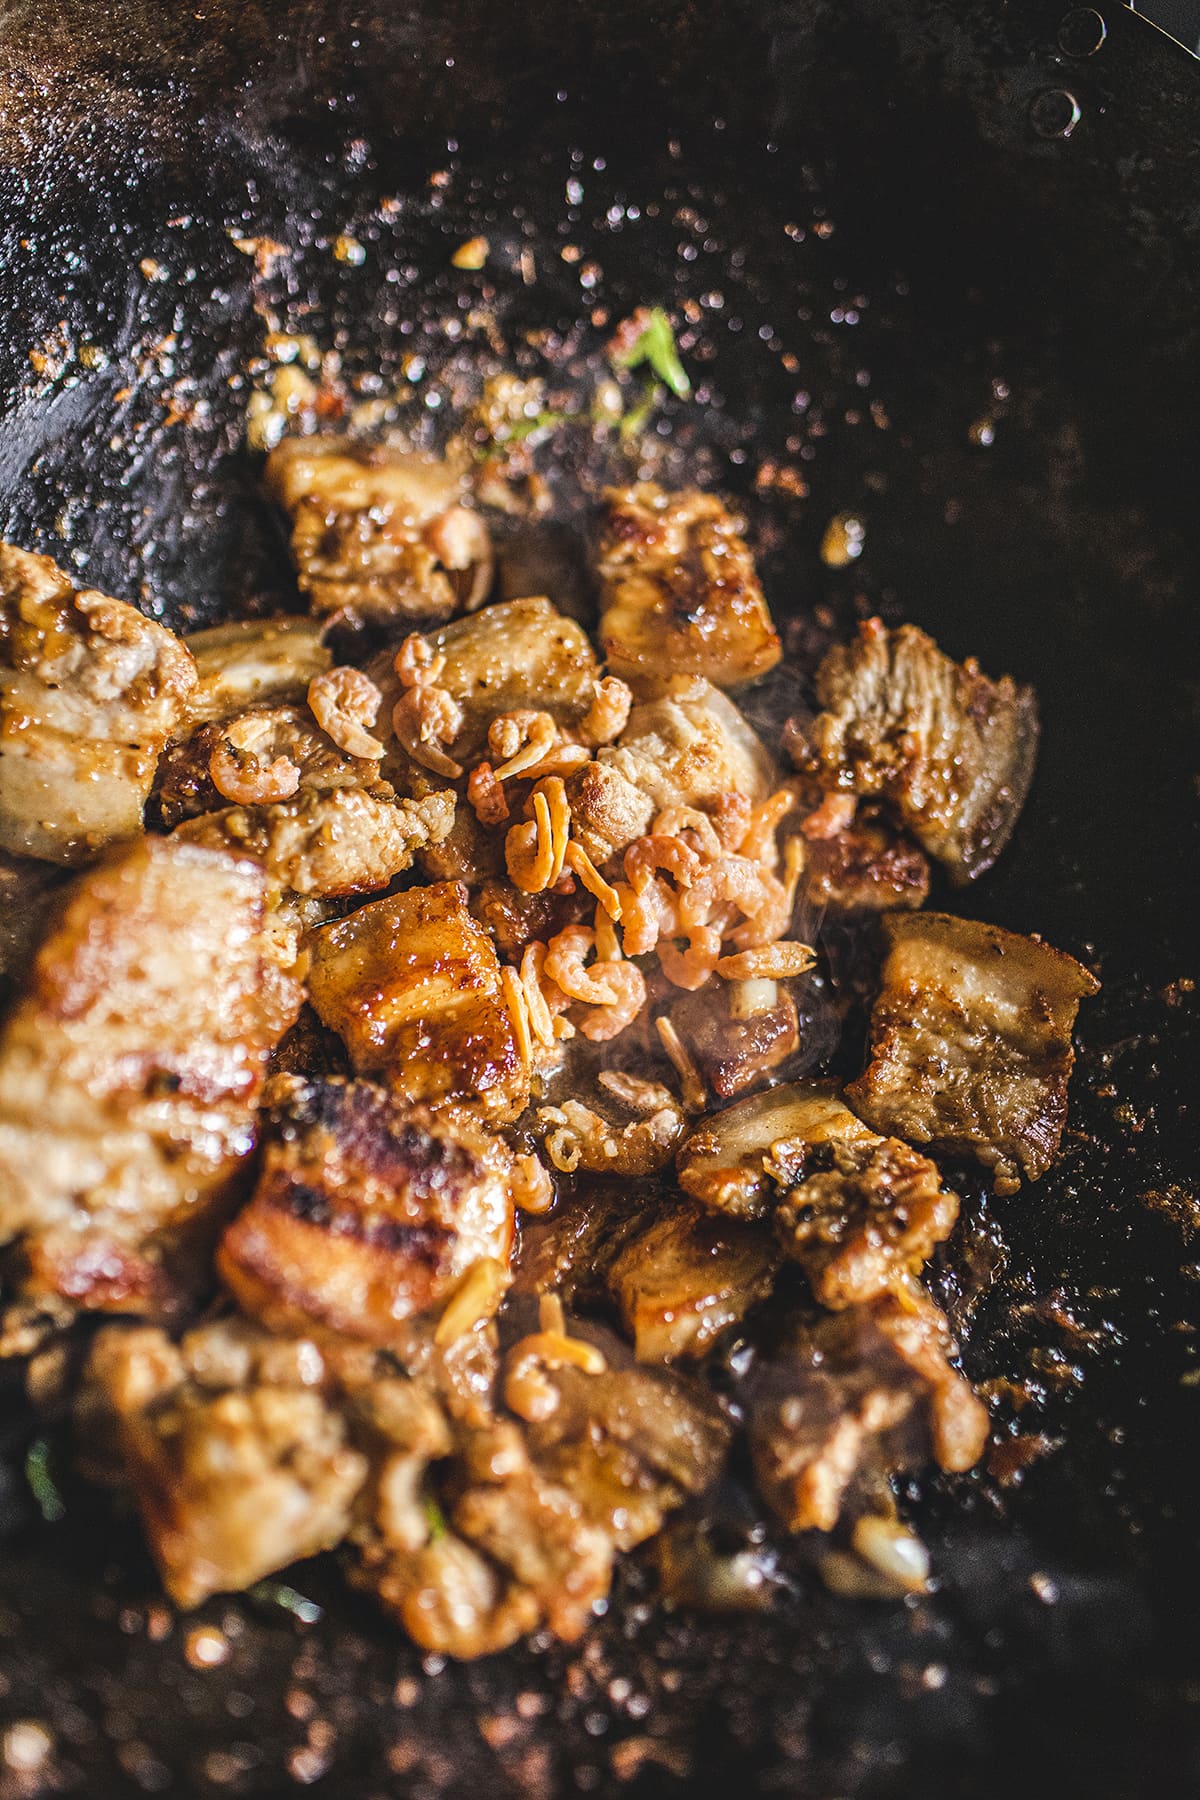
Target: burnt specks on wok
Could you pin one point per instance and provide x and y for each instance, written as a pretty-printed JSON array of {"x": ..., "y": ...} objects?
[{"x": 545, "y": 902}]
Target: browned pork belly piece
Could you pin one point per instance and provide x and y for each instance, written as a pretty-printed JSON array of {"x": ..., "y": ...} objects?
[
  {"x": 727, "y": 1159},
  {"x": 366, "y": 1211},
  {"x": 250, "y": 747},
  {"x": 89, "y": 693},
  {"x": 738, "y": 1034},
  {"x": 864, "y": 1394},
  {"x": 685, "y": 1276},
  {"x": 867, "y": 867},
  {"x": 254, "y": 662},
  {"x": 951, "y": 752},
  {"x": 860, "y": 1212},
  {"x": 631, "y": 1444},
  {"x": 328, "y": 845},
  {"x": 518, "y": 656},
  {"x": 511, "y": 1552},
  {"x": 971, "y": 1043},
  {"x": 680, "y": 594},
  {"x": 378, "y": 532},
  {"x": 691, "y": 747},
  {"x": 340, "y": 830},
  {"x": 131, "y": 1069},
  {"x": 412, "y": 985},
  {"x": 231, "y": 1444},
  {"x": 630, "y": 1129}
]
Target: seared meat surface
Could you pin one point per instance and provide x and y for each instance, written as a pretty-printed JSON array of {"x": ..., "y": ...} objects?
[
  {"x": 366, "y": 1211},
  {"x": 412, "y": 985},
  {"x": 131, "y": 1068},
  {"x": 951, "y": 752},
  {"x": 729, "y": 1160},
  {"x": 89, "y": 693},
  {"x": 686, "y": 1276},
  {"x": 378, "y": 533},
  {"x": 866, "y": 867},
  {"x": 971, "y": 1043},
  {"x": 738, "y": 1036},
  {"x": 864, "y": 1393},
  {"x": 679, "y": 591}
]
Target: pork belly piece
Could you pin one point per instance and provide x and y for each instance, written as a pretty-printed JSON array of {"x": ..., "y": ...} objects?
[
  {"x": 517, "y": 656},
  {"x": 248, "y": 745},
  {"x": 342, "y": 831},
  {"x": 366, "y": 1211},
  {"x": 323, "y": 846},
  {"x": 728, "y": 1159},
  {"x": 971, "y": 1043},
  {"x": 630, "y": 1444},
  {"x": 254, "y": 662},
  {"x": 951, "y": 752},
  {"x": 860, "y": 1213},
  {"x": 738, "y": 1034},
  {"x": 131, "y": 1068},
  {"x": 378, "y": 532},
  {"x": 234, "y": 1450},
  {"x": 679, "y": 591},
  {"x": 502, "y": 1550},
  {"x": 685, "y": 1276},
  {"x": 864, "y": 1394},
  {"x": 412, "y": 985},
  {"x": 690, "y": 747},
  {"x": 89, "y": 693},
  {"x": 867, "y": 867}
]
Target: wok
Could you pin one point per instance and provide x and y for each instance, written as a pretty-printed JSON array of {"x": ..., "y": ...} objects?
[{"x": 946, "y": 262}]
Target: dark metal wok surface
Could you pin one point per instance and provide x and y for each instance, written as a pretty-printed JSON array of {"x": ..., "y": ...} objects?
[{"x": 983, "y": 336}]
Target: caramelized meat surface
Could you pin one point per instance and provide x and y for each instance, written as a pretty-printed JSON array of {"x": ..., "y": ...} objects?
[
  {"x": 366, "y": 1211},
  {"x": 679, "y": 592},
  {"x": 737, "y": 1035},
  {"x": 866, "y": 1393},
  {"x": 971, "y": 1043},
  {"x": 860, "y": 1212},
  {"x": 868, "y": 867},
  {"x": 131, "y": 1068},
  {"x": 685, "y": 1276},
  {"x": 729, "y": 1160},
  {"x": 412, "y": 985},
  {"x": 326, "y": 845},
  {"x": 689, "y": 748},
  {"x": 379, "y": 533},
  {"x": 951, "y": 752},
  {"x": 89, "y": 693},
  {"x": 236, "y": 1458}
]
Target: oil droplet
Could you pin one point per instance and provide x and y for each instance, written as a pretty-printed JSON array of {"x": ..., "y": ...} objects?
[
  {"x": 1081, "y": 32},
  {"x": 349, "y": 250},
  {"x": 843, "y": 542},
  {"x": 471, "y": 255},
  {"x": 206, "y": 1648},
  {"x": 1054, "y": 113},
  {"x": 983, "y": 432}
]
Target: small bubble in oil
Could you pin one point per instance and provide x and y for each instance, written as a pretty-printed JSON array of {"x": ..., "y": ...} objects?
[
  {"x": 842, "y": 544},
  {"x": 983, "y": 432}
]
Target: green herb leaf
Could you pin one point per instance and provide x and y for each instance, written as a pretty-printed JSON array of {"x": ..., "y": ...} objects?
[
  {"x": 655, "y": 345},
  {"x": 435, "y": 1518},
  {"x": 42, "y": 1484},
  {"x": 278, "y": 1593},
  {"x": 638, "y": 417}
]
